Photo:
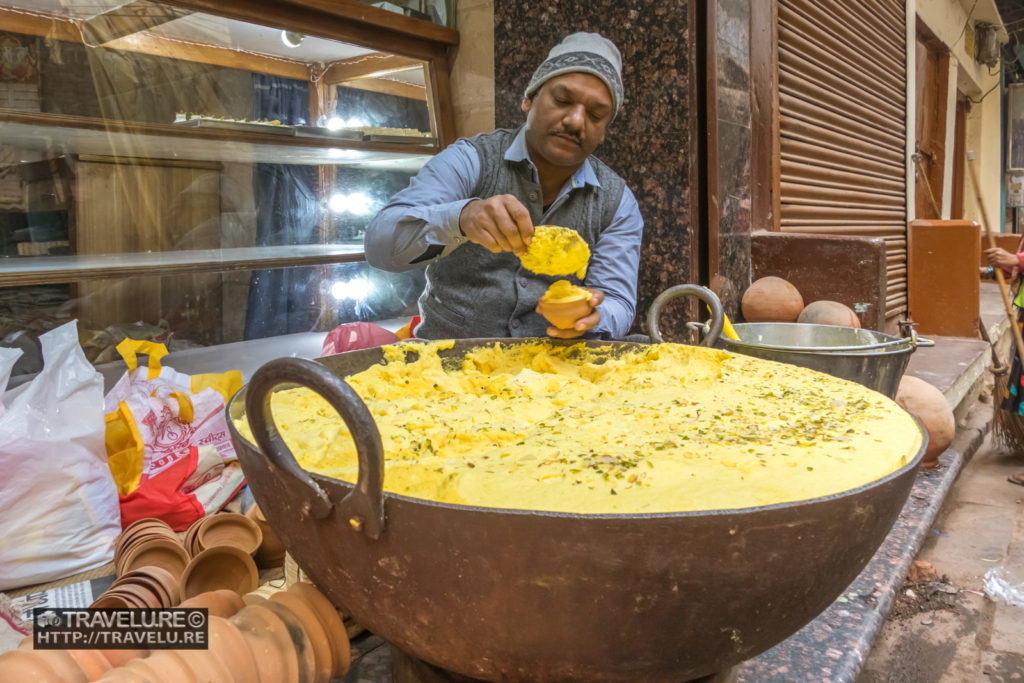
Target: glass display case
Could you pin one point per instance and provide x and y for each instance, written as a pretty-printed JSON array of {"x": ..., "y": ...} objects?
[{"x": 201, "y": 172}]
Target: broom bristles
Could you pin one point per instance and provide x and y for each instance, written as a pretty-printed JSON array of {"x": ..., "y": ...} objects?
[{"x": 1007, "y": 427}]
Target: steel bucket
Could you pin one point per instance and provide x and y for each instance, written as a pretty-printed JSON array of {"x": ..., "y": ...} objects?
[
  {"x": 874, "y": 359},
  {"x": 513, "y": 595}
]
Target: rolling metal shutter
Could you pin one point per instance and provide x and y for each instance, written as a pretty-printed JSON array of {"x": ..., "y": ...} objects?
[{"x": 842, "y": 78}]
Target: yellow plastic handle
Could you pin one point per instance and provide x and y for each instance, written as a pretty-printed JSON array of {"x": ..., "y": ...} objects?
[
  {"x": 128, "y": 349},
  {"x": 727, "y": 328},
  {"x": 186, "y": 411}
]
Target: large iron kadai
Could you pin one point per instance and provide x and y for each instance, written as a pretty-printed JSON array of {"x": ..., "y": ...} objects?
[{"x": 510, "y": 595}]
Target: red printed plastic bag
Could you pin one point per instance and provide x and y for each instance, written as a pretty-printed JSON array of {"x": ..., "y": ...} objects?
[
  {"x": 188, "y": 489},
  {"x": 156, "y": 416},
  {"x": 58, "y": 503}
]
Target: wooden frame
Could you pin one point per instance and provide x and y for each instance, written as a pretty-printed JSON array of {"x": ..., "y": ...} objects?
[
  {"x": 713, "y": 213},
  {"x": 697, "y": 217},
  {"x": 401, "y": 42},
  {"x": 764, "y": 120},
  {"x": 409, "y": 43}
]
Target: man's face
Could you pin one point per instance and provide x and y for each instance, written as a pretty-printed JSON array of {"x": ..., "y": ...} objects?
[{"x": 566, "y": 119}]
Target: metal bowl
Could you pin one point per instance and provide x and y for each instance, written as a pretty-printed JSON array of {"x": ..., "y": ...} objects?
[
  {"x": 514, "y": 595},
  {"x": 874, "y": 359}
]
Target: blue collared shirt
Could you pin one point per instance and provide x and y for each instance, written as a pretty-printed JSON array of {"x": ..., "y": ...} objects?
[{"x": 426, "y": 214}]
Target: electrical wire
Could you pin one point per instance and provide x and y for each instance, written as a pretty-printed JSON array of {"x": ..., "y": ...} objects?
[
  {"x": 967, "y": 22},
  {"x": 978, "y": 101}
]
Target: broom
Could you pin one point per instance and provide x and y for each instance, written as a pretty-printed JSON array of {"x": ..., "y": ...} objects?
[{"x": 1008, "y": 428}]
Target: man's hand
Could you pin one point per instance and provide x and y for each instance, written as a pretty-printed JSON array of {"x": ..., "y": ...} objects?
[
  {"x": 499, "y": 223},
  {"x": 1001, "y": 258},
  {"x": 583, "y": 324}
]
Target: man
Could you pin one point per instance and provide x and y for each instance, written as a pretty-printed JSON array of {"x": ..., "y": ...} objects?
[{"x": 470, "y": 212}]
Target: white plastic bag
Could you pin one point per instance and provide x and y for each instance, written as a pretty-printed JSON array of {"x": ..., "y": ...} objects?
[
  {"x": 58, "y": 505},
  {"x": 1001, "y": 586},
  {"x": 8, "y": 357}
]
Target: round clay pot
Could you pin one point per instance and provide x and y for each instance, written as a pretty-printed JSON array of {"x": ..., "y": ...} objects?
[
  {"x": 323, "y": 655},
  {"x": 222, "y": 603},
  {"x": 227, "y": 643},
  {"x": 220, "y": 567},
  {"x": 171, "y": 667},
  {"x": 271, "y": 550},
  {"x": 26, "y": 665},
  {"x": 162, "y": 552},
  {"x": 64, "y": 665},
  {"x": 269, "y": 642},
  {"x": 301, "y": 643},
  {"x": 229, "y": 528},
  {"x": 91, "y": 662},
  {"x": 332, "y": 622}
]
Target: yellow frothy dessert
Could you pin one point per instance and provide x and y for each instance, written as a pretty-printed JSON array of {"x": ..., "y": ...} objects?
[
  {"x": 556, "y": 250},
  {"x": 664, "y": 428},
  {"x": 562, "y": 291}
]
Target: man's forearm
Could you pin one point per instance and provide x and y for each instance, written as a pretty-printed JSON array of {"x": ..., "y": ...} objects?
[{"x": 400, "y": 236}]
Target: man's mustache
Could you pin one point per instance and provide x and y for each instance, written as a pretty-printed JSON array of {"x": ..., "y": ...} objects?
[{"x": 568, "y": 133}]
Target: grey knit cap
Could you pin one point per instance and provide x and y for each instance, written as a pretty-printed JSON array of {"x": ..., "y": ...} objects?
[{"x": 588, "y": 52}]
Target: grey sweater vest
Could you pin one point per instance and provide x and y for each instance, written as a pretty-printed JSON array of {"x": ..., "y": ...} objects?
[{"x": 474, "y": 293}]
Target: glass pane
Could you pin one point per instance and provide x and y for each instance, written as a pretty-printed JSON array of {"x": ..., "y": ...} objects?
[
  {"x": 195, "y": 174},
  {"x": 437, "y": 11},
  {"x": 206, "y": 311}
]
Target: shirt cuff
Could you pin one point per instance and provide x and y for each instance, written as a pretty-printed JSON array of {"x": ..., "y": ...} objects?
[{"x": 442, "y": 222}]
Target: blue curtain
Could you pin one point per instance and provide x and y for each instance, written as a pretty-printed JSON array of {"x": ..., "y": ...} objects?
[{"x": 283, "y": 300}]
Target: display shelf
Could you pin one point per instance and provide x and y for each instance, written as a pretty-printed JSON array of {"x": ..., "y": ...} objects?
[
  {"x": 132, "y": 140},
  {"x": 43, "y": 270}
]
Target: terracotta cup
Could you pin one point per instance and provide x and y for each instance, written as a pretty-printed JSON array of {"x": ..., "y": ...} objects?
[
  {"x": 205, "y": 666},
  {"x": 323, "y": 655},
  {"x": 113, "y": 599},
  {"x": 301, "y": 645},
  {"x": 26, "y": 665},
  {"x": 191, "y": 539},
  {"x": 92, "y": 663},
  {"x": 171, "y": 666},
  {"x": 64, "y": 665},
  {"x": 121, "y": 657},
  {"x": 161, "y": 552},
  {"x": 229, "y": 528},
  {"x": 271, "y": 550},
  {"x": 221, "y": 603},
  {"x": 268, "y": 640},
  {"x": 564, "y": 314},
  {"x": 332, "y": 621},
  {"x": 220, "y": 567},
  {"x": 231, "y": 648}
]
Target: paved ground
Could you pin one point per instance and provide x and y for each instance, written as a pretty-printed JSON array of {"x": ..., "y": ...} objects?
[{"x": 943, "y": 628}]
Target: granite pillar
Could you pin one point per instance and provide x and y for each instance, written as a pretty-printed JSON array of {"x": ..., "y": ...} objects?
[{"x": 649, "y": 144}]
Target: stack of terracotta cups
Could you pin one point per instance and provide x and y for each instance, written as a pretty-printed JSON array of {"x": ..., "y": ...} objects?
[
  {"x": 149, "y": 561},
  {"x": 221, "y": 548},
  {"x": 294, "y": 636}
]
